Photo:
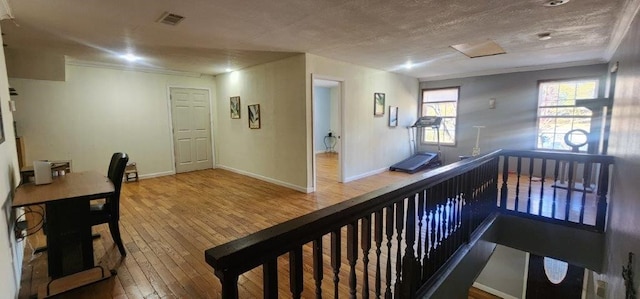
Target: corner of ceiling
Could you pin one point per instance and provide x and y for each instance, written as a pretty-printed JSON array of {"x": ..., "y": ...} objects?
[
  {"x": 628, "y": 13},
  {"x": 5, "y": 10}
]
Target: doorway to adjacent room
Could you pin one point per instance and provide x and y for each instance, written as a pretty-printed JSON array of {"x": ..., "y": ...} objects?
[{"x": 328, "y": 132}]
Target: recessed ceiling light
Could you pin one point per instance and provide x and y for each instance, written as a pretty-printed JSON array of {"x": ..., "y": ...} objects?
[
  {"x": 130, "y": 57},
  {"x": 408, "y": 65},
  {"x": 228, "y": 70},
  {"x": 553, "y": 3},
  {"x": 544, "y": 36}
]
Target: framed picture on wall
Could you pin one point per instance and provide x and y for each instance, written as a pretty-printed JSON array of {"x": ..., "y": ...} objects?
[
  {"x": 254, "y": 116},
  {"x": 378, "y": 104},
  {"x": 393, "y": 116},
  {"x": 234, "y": 103}
]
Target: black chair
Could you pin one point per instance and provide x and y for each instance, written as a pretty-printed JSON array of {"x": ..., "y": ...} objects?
[{"x": 109, "y": 211}]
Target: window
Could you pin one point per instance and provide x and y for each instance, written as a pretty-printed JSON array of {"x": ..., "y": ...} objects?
[
  {"x": 444, "y": 103},
  {"x": 559, "y": 111}
]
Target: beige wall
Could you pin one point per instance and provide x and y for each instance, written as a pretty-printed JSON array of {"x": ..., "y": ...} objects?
[
  {"x": 371, "y": 146},
  {"x": 10, "y": 252},
  {"x": 513, "y": 123},
  {"x": 277, "y": 151},
  {"x": 97, "y": 112},
  {"x": 35, "y": 65},
  {"x": 623, "y": 229}
]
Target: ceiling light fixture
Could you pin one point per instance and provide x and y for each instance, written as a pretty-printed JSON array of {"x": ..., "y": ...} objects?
[
  {"x": 228, "y": 70},
  {"x": 554, "y": 3},
  {"x": 408, "y": 65},
  {"x": 130, "y": 57},
  {"x": 544, "y": 36}
]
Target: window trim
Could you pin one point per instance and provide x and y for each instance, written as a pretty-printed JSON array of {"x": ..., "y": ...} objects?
[
  {"x": 599, "y": 93},
  {"x": 421, "y": 103}
]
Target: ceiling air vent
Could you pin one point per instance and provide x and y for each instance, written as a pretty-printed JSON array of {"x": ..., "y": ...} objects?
[
  {"x": 170, "y": 19},
  {"x": 553, "y": 3}
]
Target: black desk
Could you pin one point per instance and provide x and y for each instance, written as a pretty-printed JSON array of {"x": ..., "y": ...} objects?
[{"x": 67, "y": 201}]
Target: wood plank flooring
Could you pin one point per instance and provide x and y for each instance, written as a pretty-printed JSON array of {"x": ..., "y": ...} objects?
[{"x": 168, "y": 222}]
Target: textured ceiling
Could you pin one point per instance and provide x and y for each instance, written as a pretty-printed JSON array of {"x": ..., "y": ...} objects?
[{"x": 216, "y": 35}]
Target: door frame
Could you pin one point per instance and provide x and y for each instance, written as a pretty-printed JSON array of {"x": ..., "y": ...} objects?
[
  {"x": 170, "y": 115},
  {"x": 343, "y": 134}
]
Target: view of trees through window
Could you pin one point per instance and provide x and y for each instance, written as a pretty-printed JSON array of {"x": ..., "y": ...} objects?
[
  {"x": 444, "y": 103},
  {"x": 559, "y": 111}
]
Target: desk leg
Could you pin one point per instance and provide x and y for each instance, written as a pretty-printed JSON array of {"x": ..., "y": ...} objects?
[{"x": 69, "y": 242}]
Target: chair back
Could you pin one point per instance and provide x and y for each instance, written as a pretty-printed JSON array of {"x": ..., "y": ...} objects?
[{"x": 115, "y": 173}]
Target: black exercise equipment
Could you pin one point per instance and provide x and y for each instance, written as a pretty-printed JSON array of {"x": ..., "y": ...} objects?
[{"x": 421, "y": 160}]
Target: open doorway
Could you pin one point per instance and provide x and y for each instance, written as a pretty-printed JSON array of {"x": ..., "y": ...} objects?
[{"x": 327, "y": 132}]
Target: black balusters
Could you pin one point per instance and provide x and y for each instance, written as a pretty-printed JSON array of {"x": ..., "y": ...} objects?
[
  {"x": 336, "y": 259},
  {"x": 505, "y": 177},
  {"x": 570, "y": 187},
  {"x": 378, "y": 239},
  {"x": 366, "y": 246},
  {"x": 421, "y": 215},
  {"x": 543, "y": 175},
  {"x": 229, "y": 282},
  {"x": 389, "y": 232},
  {"x": 556, "y": 169},
  {"x": 295, "y": 272},
  {"x": 531, "y": 162},
  {"x": 270, "y": 278},
  {"x": 317, "y": 266},
  {"x": 352, "y": 256},
  {"x": 399, "y": 229},
  {"x": 603, "y": 189},
  {"x": 410, "y": 271},
  {"x": 518, "y": 172},
  {"x": 584, "y": 194}
]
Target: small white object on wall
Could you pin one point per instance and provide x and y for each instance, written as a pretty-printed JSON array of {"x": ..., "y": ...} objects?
[{"x": 492, "y": 103}]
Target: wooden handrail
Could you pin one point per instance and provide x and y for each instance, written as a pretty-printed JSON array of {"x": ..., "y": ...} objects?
[
  {"x": 565, "y": 156},
  {"x": 249, "y": 252},
  {"x": 445, "y": 205}
]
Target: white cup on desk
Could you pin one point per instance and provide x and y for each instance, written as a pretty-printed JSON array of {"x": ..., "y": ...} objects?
[{"x": 42, "y": 172}]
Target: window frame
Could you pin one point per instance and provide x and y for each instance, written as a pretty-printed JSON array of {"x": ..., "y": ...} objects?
[
  {"x": 598, "y": 93},
  {"x": 420, "y": 114}
]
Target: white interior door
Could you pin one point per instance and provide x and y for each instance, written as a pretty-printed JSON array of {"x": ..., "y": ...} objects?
[{"x": 191, "y": 120}]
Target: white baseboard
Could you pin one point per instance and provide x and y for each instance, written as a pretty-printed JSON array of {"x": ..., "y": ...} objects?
[
  {"x": 267, "y": 179},
  {"x": 364, "y": 175},
  {"x": 493, "y": 291},
  {"x": 155, "y": 175}
]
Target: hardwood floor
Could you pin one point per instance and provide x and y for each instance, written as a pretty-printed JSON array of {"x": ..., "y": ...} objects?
[
  {"x": 475, "y": 293},
  {"x": 168, "y": 222}
]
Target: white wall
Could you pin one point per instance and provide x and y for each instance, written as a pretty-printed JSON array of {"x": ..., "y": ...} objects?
[
  {"x": 321, "y": 116},
  {"x": 504, "y": 273},
  {"x": 371, "y": 145},
  {"x": 10, "y": 252},
  {"x": 623, "y": 224},
  {"x": 97, "y": 112},
  {"x": 512, "y": 124},
  {"x": 277, "y": 151}
]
